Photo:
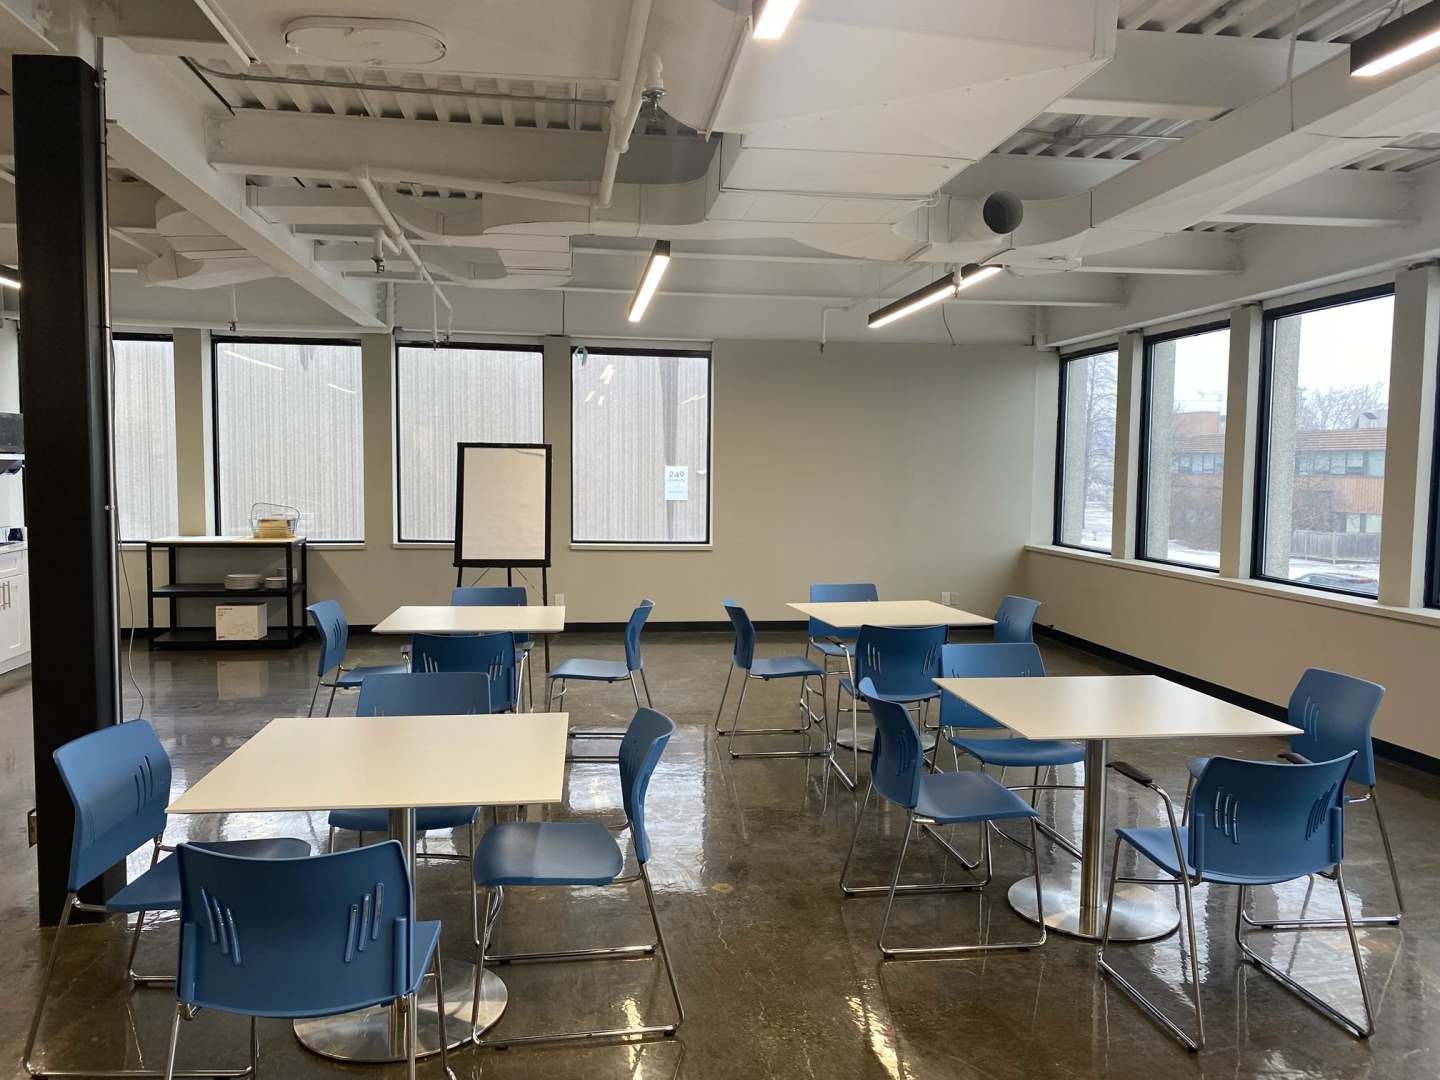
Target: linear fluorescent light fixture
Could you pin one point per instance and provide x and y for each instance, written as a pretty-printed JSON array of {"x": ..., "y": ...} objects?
[
  {"x": 9, "y": 276},
  {"x": 773, "y": 18},
  {"x": 650, "y": 280},
  {"x": 933, "y": 293},
  {"x": 1396, "y": 42}
]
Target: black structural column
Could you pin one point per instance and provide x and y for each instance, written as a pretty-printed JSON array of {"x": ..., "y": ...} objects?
[{"x": 65, "y": 395}]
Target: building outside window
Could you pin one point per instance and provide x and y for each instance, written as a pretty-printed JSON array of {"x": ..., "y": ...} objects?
[
  {"x": 1327, "y": 394},
  {"x": 640, "y": 447},
  {"x": 1087, "y": 450},
  {"x": 1187, "y": 379},
  {"x": 288, "y": 433},
  {"x": 146, "y": 487},
  {"x": 450, "y": 395}
]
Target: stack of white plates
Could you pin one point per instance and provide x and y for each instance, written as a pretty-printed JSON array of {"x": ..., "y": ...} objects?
[
  {"x": 275, "y": 581},
  {"x": 243, "y": 582}
]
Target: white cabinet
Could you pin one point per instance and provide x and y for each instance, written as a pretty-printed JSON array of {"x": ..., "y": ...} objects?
[{"x": 14, "y": 609}]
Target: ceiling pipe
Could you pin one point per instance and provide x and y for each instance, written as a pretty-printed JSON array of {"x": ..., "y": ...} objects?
[
  {"x": 626, "y": 109},
  {"x": 361, "y": 175}
]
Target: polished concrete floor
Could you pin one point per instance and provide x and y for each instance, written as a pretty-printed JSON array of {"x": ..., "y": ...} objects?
[{"x": 781, "y": 976}]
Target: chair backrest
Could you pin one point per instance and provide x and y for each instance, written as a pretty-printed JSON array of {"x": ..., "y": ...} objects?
[
  {"x": 640, "y": 752},
  {"x": 1336, "y": 711},
  {"x": 839, "y": 594},
  {"x": 424, "y": 693},
  {"x": 1015, "y": 620},
  {"x": 492, "y": 596},
  {"x": 1267, "y": 821},
  {"x": 294, "y": 937},
  {"x": 983, "y": 661},
  {"x": 633, "y": 660},
  {"x": 493, "y": 654},
  {"x": 743, "y": 654},
  {"x": 119, "y": 780},
  {"x": 902, "y": 661},
  {"x": 897, "y": 760},
  {"x": 334, "y": 634}
]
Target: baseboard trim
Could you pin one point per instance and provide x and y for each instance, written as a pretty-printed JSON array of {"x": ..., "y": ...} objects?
[{"x": 1390, "y": 751}]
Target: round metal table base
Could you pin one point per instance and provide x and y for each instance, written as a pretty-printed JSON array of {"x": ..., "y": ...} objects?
[
  {"x": 866, "y": 738},
  {"x": 1141, "y": 913},
  {"x": 377, "y": 1034}
]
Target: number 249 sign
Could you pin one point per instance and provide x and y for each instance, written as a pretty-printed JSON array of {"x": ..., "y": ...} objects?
[{"x": 677, "y": 483}]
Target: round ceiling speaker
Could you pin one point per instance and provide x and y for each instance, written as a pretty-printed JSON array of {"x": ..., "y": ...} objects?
[{"x": 371, "y": 42}]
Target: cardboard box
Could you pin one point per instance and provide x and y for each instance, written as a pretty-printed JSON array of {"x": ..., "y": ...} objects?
[{"x": 240, "y": 622}]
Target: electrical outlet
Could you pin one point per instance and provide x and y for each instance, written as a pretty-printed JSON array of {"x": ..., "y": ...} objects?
[
  {"x": 559, "y": 599},
  {"x": 32, "y": 829},
  {"x": 947, "y": 598}
]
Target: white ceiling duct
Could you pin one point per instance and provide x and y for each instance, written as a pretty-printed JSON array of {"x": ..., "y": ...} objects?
[{"x": 201, "y": 256}]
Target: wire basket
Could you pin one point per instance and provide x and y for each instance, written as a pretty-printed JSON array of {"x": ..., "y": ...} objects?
[{"x": 278, "y": 521}]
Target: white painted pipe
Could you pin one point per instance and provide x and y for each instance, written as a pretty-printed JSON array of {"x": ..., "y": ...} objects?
[
  {"x": 625, "y": 97},
  {"x": 361, "y": 176}
]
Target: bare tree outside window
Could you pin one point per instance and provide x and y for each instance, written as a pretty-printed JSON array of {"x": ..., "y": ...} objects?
[
  {"x": 146, "y": 488},
  {"x": 288, "y": 430},
  {"x": 1088, "y": 450},
  {"x": 640, "y": 447},
  {"x": 1188, "y": 380},
  {"x": 446, "y": 396},
  {"x": 1329, "y": 378}
]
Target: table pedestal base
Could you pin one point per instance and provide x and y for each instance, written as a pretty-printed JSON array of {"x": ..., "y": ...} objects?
[
  {"x": 1141, "y": 913},
  {"x": 378, "y": 1034},
  {"x": 866, "y": 737}
]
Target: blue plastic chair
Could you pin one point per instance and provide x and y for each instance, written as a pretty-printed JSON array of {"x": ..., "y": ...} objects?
[
  {"x": 903, "y": 662},
  {"x": 1335, "y": 712},
  {"x": 334, "y": 636},
  {"x": 494, "y": 654},
  {"x": 767, "y": 669},
  {"x": 606, "y": 671},
  {"x": 897, "y": 774},
  {"x": 119, "y": 780},
  {"x": 1015, "y": 620},
  {"x": 1259, "y": 823},
  {"x": 301, "y": 938},
  {"x": 502, "y": 596},
  {"x": 574, "y": 853}
]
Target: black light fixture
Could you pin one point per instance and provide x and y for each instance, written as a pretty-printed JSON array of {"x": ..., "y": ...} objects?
[
  {"x": 1394, "y": 43},
  {"x": 655, "y": 269},
  {"x": 9, "y": 276},
  {"x": 936, "y": 291}
]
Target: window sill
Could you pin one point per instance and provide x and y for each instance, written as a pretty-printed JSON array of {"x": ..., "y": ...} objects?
[
  {"x": 640, "y": 547},
  {"x": 1355, "y": 605}
]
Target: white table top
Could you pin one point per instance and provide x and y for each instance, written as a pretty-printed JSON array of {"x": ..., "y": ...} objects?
[
  {"x": 1108, "y": 707},
  {"x": 891, "y": 613},
  {"x": 365, "y": 762},
  {"x": 445, "y": 619}
]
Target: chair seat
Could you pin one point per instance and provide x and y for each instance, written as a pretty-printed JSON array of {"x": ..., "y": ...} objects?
[
  {"x": 833, "y": 648},
  {"x": 953, "y": 798},
  {"x": 158, "y": 889},
  {"x": 904, "y": 699},
  {"x": 1021, "y": 753},
  {"x": 351, "y": 680},
  {"x": 1158, "y": 845},
  {"x": 547, "y": 853},
  {"x": 592, "y": 670},
  {"x": 427, "y": 819},
  {"x": 785, "y": 667}
]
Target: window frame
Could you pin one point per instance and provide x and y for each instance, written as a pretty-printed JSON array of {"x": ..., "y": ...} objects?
[
  {"x": 216, "y": 341},
  {"x": 1431, "y": 598},
  {"x": 539, "y": 350},
  {"x": 1263, "y": 428},
  {"x": 1142, "y": 492},
  {"x": 124, "y": 335},
  {"x": 1058, "y": 511},
  {"x": 708, "y": 355}
]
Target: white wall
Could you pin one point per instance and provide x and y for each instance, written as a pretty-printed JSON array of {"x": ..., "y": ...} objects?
[
  {"x": 12, "y": 486},
  {"x": 907, "y": 465}
]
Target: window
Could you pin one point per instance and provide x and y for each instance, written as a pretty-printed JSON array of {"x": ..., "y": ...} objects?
[
  {"x": 1085, "y": 484},
  {"x": 145, "y": 483},
  {"x": 640, "y": 447},
  {"x": 1186, "y": 378},
  {"x": 1326, "y": 386},
  {"x": 288, "y": 432},
  {"x": 454, "y": 394}
]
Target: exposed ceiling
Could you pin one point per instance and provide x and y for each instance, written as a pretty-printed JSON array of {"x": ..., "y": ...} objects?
[{"x": 835, "y": 168}]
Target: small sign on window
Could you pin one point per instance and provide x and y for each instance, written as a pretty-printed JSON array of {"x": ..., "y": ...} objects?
[{"x": 677, "y": 483}]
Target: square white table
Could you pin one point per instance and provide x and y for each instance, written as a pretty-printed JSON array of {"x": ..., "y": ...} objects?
[
  {"x": 1095, "y": 709},
  {"x": 396, "y": 763},
  {"x": 465, "y": 619},
  {"x": 855, "y": 613}
]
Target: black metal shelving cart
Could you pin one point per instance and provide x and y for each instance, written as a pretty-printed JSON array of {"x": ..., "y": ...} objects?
[{"x": 177, "y": 636}]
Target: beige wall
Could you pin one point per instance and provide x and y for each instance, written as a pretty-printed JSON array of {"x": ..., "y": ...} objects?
[{"x": 906, "y": 465}]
